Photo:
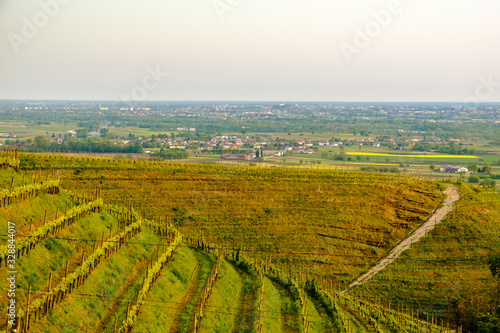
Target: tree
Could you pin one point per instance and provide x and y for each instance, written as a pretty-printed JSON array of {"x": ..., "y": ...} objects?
[
  {"x": 81, "y": 133},
  {"x": 42, "y": 142},
  {"x": 488, "y": 182},
  {"x": 257, "y": 155},
  {"x": 474, "y": 179},
  {"x": 432, "y": 167},
  {"x": 487, "y": 168},
  {"x": 472, "y": 167},
  {"x": 171, "y": 153},
  {"x": 105, "y": 131}
]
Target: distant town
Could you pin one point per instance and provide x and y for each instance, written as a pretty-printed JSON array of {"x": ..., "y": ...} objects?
[{"x": 445, "y": 138}]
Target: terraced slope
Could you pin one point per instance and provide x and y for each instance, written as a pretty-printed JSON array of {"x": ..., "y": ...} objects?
[
  {"x": 446, "y": 275},
  {"x": 260, "y": 249},
  {"x": 328, "y": 223}
]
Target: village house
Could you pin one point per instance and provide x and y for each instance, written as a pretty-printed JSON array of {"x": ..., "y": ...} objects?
[
  {"x": 239, "y": 157},
  {"x": 453, "y": 169}
]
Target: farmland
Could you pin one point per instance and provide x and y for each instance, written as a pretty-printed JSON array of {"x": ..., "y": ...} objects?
[
  {"x": 407, "y": 139},
  {"x": 109, "y": 245}
]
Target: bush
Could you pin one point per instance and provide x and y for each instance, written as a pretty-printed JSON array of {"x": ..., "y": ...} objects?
[
  {"x": 488, "y": 182},
  {"x": 171, "y": 153}
]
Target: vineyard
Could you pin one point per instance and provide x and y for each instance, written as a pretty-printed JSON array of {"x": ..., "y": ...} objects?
[
  {"x": 104, "y": 245},
  {"x": 447, "y": 274},
  {"x": 333, "y": 224}
]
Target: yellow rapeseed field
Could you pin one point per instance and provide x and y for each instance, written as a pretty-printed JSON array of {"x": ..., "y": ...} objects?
[{"x": 405, "y": 155}]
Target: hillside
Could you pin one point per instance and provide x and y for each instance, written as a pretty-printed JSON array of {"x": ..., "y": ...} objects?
[
  {"x": 331, "y": 224},
  {"x": 446, "y": 274},
  {"x": 157, "y": 247}
]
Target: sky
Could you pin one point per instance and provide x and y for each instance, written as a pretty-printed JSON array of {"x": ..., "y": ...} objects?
[{"x": 251, "y": 50}]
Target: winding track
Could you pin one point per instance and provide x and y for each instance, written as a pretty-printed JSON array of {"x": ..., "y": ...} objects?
[{"x": 452, "y": 195}]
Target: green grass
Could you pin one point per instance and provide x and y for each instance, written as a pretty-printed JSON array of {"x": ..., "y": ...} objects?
[
  {"x": 185, "y": 314},
  {"x": 33, "y": 131},
  {"x": 136, "y": 130},
  {"x": 30, "y": 213},
  {"x": 272, "y": 320},
  {"x": 106, "y": 287},
  {"x": 289, "y": 310},
  {"x": 50, "y": 255},
  {"x": 222, "y": 310},
  {"x": 317, "y": 322},
  {"x": 6, "y": 176},
  {"x": 163, "y": 305},
  {"x": 247, "y": 317}
]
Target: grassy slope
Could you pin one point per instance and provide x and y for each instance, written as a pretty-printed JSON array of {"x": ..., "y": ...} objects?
[
  {"x": 288, "y": 317},
  {"x": 183, "y": 319},
  {"x": 30, "y": 213},
  {"x": 317, "y": 323},
  {"x": 82, "y": 313},
  {"x": 168, "y": 293},
  {"x": 221, "y": 314},
  {"x": 319, "y": 317},
  {"x": 269, "y": 209},
  {"x": 51, "y": 255},
  {"x": 6, "y": 176},
  {"x": 247, "y": 314},
  {"x": 458, "y": 249},
  {"x": 281, "y": 210},
  {"x": 271, "y": 310}
]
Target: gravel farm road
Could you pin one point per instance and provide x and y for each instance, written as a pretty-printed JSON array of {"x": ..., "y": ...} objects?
[{"x": 452, "y": 195}]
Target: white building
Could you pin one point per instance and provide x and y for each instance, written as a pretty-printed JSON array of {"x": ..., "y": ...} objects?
[{"x": 453, "y": 169}]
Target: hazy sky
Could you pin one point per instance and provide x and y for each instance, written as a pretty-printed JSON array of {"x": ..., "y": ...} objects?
[{"x": 298, "y": 50}]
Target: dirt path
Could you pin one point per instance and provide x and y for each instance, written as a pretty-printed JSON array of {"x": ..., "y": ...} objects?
[{"x": 452, "y": 195}]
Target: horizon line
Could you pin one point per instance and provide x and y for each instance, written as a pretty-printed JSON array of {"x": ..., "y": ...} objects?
[{"x": 232, "y": 101}]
